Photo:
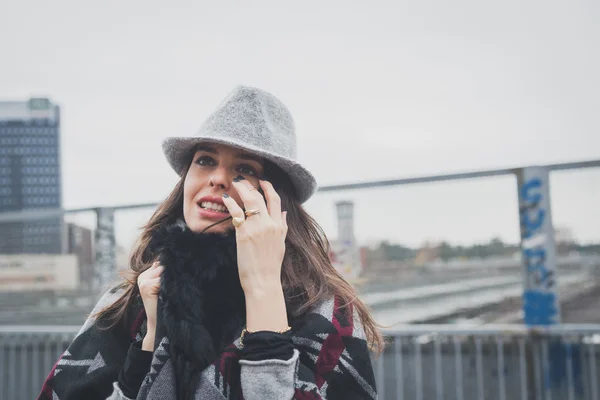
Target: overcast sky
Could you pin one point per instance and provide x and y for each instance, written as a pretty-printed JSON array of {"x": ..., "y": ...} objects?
[{"x": 382, "y": 89}]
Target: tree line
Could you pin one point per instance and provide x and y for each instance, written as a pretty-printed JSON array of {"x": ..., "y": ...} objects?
[{"x": 495, "y": 247}]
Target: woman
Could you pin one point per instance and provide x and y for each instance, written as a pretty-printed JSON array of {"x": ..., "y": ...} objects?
[{"x": 233, "y": 294}]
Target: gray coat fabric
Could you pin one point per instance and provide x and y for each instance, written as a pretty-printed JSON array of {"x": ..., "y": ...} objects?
[{"x": 261, "y": 380}]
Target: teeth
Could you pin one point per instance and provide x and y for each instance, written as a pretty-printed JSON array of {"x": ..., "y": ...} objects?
[{"x": 213, "y": 206}]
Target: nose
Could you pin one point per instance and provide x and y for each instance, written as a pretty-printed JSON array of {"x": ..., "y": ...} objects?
[{"x": 220, "y": 178}]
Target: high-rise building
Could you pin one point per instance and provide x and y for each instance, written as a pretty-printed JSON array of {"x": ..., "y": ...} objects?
[{"x": 30, "y": 175}]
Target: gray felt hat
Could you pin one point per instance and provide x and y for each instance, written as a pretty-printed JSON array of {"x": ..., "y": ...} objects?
[{"x": 253, "y": 120}]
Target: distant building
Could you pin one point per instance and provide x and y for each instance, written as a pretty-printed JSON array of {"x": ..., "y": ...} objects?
[
  {"x": 427, "y": 253},
  {"x": 30, "y": 175},
  {"x": 38, "y": 272},
  {"x": 122, "y": 260},
  {"x": 345, "y": 254},
  {"x": 80, "y": 243}
]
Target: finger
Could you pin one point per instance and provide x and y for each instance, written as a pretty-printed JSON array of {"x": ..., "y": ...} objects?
[
  {"x": 151, "y": 267},
  {"x": 150, "y": 273},
  {"x": 152, "y": 286},
  {"x": 156, "y": 271},
  {"x": 250, "y": 196},
  {"x": 232, "y": 206},
  {"x": 154, "y": 283},
  {"x": 273, "y": 200},
  {"x": 149, "y": 285},
  {"x": 284, "y": 219}
]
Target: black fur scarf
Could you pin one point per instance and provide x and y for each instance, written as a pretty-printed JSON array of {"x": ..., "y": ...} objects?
[{"x": 202, "y": 304}]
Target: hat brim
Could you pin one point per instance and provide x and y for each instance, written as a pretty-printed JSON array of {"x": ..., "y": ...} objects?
[{"x": 178, "y": 151}]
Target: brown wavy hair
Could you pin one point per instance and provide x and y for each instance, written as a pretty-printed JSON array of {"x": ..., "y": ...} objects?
[{"x": 307, "y": 273}]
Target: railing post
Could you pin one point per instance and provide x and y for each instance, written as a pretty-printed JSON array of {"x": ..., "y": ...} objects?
[
  {"x": 540, "y": 297},
  {"x": 105, "y": 269},
  {"x": 541, "y": 306}
]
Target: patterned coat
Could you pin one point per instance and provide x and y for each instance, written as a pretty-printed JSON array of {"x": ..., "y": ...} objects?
[{"x": 331, "y": 361}]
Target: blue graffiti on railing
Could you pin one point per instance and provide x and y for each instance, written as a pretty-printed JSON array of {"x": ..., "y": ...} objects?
[
  {"x": 531, "y": 200},
  {"x": 539, "y": 299},
  {"x": 539, "y": 308},
  {"x": 535, "y": 260}
]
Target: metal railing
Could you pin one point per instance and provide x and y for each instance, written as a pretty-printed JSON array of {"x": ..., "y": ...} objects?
[
  {"x": 421, "y": 362},
  {"x": 27, "y": 354},
  {"x": 530, "y": 189},
  {"x": 504, "y": 362}
]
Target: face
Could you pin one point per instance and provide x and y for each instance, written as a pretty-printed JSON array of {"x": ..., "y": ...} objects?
[{"x": 210, "y": 175}]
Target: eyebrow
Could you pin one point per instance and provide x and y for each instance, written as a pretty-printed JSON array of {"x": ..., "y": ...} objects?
[{"x": 241, "y": 154}]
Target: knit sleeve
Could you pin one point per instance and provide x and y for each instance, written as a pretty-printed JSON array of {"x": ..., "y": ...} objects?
[
  {"x": 265, "y": 345},
  {"x": 276, "y": 379},
  {"x": 137, "y": 365},
  {"x": 268, "y": 364},
  {"x": 331, "y": 361}
]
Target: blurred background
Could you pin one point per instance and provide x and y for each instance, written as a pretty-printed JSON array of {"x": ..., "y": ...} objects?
[{"x": 456, "y": 145}]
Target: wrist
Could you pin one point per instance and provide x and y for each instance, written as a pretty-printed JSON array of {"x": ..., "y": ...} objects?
[
  {"x": 262, "y": 289},
  {"x": 265, "y": 310},
  {"x": 148, "y": 342},
  {"x": 150, "y": 328}
]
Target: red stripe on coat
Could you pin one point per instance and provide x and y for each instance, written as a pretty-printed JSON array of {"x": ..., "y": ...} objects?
[{"x": 333, "y": 345}]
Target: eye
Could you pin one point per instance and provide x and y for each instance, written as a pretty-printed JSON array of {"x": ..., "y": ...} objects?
[
  {"x": 247, "y": 170},
  {"x": 205, "y": 161}
]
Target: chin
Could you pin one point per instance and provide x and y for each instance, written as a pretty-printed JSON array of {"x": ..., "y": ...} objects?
[{"x": 198, "y": 225}]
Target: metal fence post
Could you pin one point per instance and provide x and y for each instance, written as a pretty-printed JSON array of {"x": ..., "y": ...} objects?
[
  {"x": 540, "y": 298},
  {"x": 541, "y": 306}
]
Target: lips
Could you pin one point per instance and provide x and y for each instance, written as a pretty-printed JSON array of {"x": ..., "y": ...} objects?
[{"x": 212, "y": 207}]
